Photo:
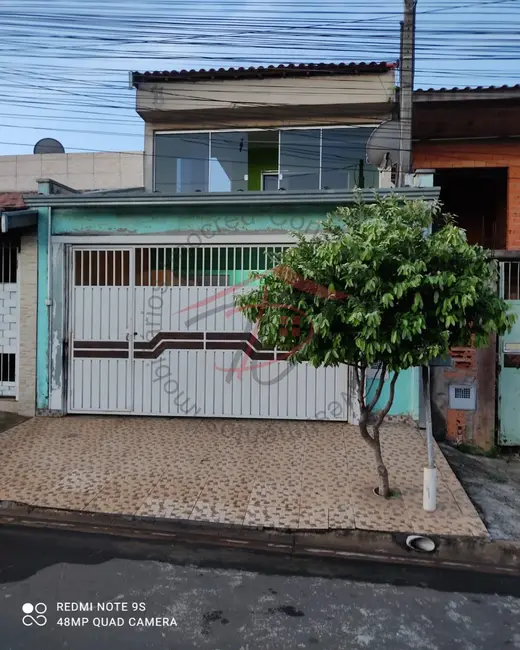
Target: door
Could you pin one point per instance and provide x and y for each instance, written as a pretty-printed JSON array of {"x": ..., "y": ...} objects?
[
  {"x": 509, "y": 360},
  {"x": 100, "y": 338},
  {"x": 189, "y": 349}
]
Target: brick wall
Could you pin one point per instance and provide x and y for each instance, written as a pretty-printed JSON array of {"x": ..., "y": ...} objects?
[
  {"x": 27, "y": 274},
  {"x": 474, "y": 153},
  {"x": 470, "y": 367}
]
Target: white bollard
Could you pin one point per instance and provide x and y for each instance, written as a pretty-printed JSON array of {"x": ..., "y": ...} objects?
[{"x": 430, "y": 489}]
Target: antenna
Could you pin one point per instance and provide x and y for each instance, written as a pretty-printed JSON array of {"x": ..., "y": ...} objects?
[
  {"x": 48, "y": 145},
  {"x": 383, "y": 145}
]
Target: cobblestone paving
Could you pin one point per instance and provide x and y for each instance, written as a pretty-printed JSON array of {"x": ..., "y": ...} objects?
[{"x": 255, "y": 473}]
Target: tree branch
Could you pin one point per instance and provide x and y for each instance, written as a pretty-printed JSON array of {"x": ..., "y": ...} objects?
[
  {"x": 379, "y": 388},
  {"x": 382, "y": 414}
]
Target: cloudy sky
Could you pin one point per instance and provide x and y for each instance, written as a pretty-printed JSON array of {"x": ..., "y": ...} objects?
[{"x": 65, "y": 63}]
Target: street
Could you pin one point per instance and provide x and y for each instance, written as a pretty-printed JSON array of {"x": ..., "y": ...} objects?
[{"x": 92, "y": 592}]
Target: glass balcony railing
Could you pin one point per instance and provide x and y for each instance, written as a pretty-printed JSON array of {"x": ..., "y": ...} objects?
[{"x": 263, "y": 160}]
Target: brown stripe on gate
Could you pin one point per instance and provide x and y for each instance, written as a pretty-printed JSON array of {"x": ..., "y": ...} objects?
[
  {"x": 245, "y": 342},
  {"x": 228, "y": 336},
  {"x": 100, "y": 345},
  {"x": 168, "y": 345},
  {"x": 101, "y": 354},
  {"x": 247, "y": 337},
  {"x": 168, "y": 336},
  {"x": 241, "y": 346}
]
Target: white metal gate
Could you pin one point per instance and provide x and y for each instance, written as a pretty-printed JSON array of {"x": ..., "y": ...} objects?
[
  {"x": 9, "y": 319},
  {"x": 154, "y": 331}
]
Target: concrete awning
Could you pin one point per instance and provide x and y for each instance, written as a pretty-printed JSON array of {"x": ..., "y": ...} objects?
[{"x": 16, "y": 219}]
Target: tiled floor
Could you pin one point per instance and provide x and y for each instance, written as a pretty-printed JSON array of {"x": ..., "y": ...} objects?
[{"x": 273, "y": 474}]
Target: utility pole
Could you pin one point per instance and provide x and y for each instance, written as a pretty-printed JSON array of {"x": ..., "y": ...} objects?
[{"x": 406, "y": 78}]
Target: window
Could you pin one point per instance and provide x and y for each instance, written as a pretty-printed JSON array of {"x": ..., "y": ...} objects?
[
  {"x": 269, "y": 181},
  {"x": 300, "y": 159},
  {"x": 267, "y": 160},
  {"x": 343, "y": 163},
  {"x": 101, "y": 268},
  {"x": 511, "y": 280},
  {"x": 7, "y": 368},
  {"x": 204, "y": 266},
  {"x": 182, "y": 163},
  {"x": 229, "y": 162},
  {"x": 8, "y": 262}
]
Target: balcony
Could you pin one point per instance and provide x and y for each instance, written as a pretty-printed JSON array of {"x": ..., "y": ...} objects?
[{"x": 263, "y": 160}]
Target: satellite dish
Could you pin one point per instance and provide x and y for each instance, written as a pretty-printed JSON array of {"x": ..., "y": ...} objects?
[
  {"x": 383, "y": 145},
  {"x": 48, "y": 145}
]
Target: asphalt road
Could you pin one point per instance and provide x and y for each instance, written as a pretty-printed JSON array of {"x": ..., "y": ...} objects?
[{"x": 231, "y": 600}]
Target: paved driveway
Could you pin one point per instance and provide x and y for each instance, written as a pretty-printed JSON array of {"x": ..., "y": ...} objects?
[{"x": 256, "y": 473}]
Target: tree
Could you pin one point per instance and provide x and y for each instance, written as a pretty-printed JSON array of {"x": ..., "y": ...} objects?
[{"x": 374, "y": 286}]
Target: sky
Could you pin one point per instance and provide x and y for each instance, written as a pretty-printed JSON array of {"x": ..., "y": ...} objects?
[{"x": 64, "y": 64}]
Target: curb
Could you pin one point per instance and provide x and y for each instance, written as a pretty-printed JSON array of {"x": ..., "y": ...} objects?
[{"x": 457, "y": 553}]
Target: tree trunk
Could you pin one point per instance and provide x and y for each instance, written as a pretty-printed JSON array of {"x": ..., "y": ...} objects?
[
  {"x": 373, "y": 440},
  {"x": 383, "y": 487}
]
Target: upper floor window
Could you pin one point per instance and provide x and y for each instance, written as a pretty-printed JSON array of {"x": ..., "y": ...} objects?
[{"x": 268, "y": 160}]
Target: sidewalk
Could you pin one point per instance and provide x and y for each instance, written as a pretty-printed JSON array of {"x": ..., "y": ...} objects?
[
  {"x": 493, "y": 484},
  {"x": 281, "y": 475}
]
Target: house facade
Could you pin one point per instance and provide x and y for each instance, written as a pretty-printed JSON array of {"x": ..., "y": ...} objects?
[
  {"x": 99, "y": 170},
  {"x": 136, "y": 288},
  {"x": 19, "y": 176},
  {"x": 18, "y": 304},
  {"x": 468, "y": 138}
]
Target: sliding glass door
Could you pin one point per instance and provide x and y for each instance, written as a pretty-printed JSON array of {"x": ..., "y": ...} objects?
[
  {"x": 300, "y": 159},
  {"x": 264, "y": 160}
]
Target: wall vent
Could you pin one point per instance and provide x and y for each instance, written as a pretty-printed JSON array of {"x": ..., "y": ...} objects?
[{"x": 463, "y": 397}]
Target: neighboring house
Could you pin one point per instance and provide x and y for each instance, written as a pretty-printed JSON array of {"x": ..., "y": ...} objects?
[
  {"x": 136, "y": 287},
  {"x": 83, "y": 171},
  {"x": 469, "y": 139},
  {"x": 19, "y": 251},
  {"x": 18, "y": 304}
]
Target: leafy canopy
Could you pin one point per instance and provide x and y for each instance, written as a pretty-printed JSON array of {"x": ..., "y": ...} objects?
[{"x": 410, "y": 295}]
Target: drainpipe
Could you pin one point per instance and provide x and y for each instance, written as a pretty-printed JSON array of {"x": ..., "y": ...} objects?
[{"x": 48, "y": 303}]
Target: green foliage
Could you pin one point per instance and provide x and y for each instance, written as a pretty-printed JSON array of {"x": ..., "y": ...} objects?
[{"x": 411, "y": 295}]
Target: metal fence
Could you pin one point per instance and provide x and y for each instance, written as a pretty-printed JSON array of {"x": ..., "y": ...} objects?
[
  {"x": 9, "y": 318},
  {"x": 510, "y": 280}
]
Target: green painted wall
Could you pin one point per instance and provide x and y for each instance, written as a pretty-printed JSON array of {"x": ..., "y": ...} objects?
[
  {"x": 260, "y": 160},
  {"x": 200, "y": 224},
  {"x": 406, "y": 398}
]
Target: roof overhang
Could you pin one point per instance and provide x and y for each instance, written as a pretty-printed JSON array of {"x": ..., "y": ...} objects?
[
  {"x": 262, "y": 72},
  {"x": 443, "y": 95},
  {"x": 227, "y": 199},
  {"x": 17, "y": 219}
]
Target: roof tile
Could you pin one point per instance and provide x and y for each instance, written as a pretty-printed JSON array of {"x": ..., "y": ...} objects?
[
  {"x": 11, "y": 201},
  {"x": 284, "y": 70}
]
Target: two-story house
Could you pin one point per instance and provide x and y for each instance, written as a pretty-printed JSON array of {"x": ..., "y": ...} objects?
[
  {"x": 468, "y": 138},
  {"x": 136, "y": 288}
]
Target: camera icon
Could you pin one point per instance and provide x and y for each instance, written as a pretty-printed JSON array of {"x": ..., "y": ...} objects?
[{"x": 39, "y": 618}]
